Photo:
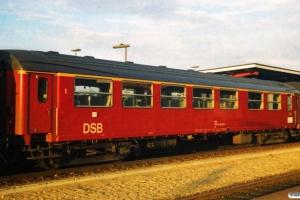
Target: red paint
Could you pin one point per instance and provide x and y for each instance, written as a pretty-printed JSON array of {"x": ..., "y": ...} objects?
[
  {"x": 244, "y": 74},
  {"x": 67, "y": 122}
]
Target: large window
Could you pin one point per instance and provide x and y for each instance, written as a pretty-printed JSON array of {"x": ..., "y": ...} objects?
[
  {"x": 203, "y": 98},
  {"x": 255, "y": 101},
  {"x": 228, "y": 99},
  {"x": 274, "y": 101},
  {"x": 172, "y": 96},
  {"x": 289, "y": 102},
  {"x": 93, "y": 92},
  {"x": 137, "y": 94}
]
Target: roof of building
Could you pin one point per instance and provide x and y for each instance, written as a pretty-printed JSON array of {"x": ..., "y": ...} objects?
[{"x": 265, "y": 72}]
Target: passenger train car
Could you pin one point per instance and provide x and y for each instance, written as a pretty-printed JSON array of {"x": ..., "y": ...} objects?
[{"x": 58, "y": 109}]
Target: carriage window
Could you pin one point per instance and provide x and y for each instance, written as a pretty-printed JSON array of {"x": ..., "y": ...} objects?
[
  {"x": 93, "y": 92},
  {"x": 138, "y": 95},
  {"x": 42, "y": 90},
  {"x": 172, "y": 96},
  {"x": 228, "y": 99},
  {"x": 255, "y": 101},
  {"x": 274, "y": 102},
  {"x": 289, "y": 102},
  {"x": 203, "y": 98}
]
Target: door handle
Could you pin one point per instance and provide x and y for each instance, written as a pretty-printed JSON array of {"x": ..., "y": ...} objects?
[{"x": 49, "y": 112}]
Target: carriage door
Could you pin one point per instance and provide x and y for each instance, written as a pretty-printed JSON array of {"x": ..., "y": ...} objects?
[{"x": 40, "y": 103}]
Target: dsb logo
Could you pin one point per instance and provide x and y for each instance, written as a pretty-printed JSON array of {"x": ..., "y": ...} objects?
[{"x": 92, "y": 128}]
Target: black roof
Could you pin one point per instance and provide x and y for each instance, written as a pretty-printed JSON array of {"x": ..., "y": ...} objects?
[{"x": 55, "y": 62}]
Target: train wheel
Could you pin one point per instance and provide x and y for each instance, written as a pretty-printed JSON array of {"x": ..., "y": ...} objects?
[{"x": 49, "y": 163}]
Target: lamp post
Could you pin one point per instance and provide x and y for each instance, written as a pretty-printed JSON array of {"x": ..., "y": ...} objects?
[
  {"x": 75, "y": 50},
  {"x": 122, "y": 46},
  {"x": 194, "y": 67}
]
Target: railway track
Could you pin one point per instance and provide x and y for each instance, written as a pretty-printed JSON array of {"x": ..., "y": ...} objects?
[
  {"x": 74, "y": 172},
  {"x": 253, "y": 189}
]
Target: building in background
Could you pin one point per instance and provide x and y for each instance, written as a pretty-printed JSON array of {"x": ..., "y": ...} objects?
[{"x": 259, "y": 71}]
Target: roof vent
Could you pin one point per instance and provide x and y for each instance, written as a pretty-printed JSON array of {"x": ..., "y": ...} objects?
[
  {"x": 162, "y": 66},
  {"x": 92, "y": 57},
  {"x": 54, "y": 52}
]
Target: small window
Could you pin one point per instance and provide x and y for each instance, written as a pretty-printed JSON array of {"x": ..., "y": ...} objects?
[
  {"x": 138, "y": 95},
  {"x": 228, "y": 99},
  {"x": 172, "y": 96},
  {"x": 93, "y": 92},
  {"x": 42, "y": 90},
  {"x": 203, "y": 98},
  {"x": 255, "y": 101},
  {"x": 289, "y": 102},
  {"x": 274, "y": 102}
]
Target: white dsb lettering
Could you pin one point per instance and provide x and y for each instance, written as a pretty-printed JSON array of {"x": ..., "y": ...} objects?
[{"x": 92, "y": 128}]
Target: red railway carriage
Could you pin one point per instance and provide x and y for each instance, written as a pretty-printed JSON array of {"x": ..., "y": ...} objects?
[{"x": 61, "y": 108}]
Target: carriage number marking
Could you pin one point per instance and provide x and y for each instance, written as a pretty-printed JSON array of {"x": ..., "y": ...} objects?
[{"x": 92, "y": 128}]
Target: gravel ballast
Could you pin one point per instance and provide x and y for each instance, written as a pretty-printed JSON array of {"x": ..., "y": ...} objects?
[{"x": 170, "y": 181}]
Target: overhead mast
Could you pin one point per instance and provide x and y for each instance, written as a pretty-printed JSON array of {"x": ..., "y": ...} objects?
[
  {"x": 75, "y": 50},
  {"x": 122, "y": 46}
]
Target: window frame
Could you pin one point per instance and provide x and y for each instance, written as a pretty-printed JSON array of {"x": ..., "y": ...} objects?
[
  {"x": 261, "y": 107},
  {"x": 229, "y": 100},
  {"x": 272, "y": 102},
  {"x": 138, "y": 95},
  {"x": 109, "y": 94},
  {"x": 163, "y": 97},
  {"x": 203, "y": 99}
]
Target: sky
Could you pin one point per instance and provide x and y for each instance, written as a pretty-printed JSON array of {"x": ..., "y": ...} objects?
[{"x": 176, "y": 34}]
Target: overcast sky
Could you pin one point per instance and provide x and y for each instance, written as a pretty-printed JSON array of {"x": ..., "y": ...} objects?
[{"x": 177, "y": 34}]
